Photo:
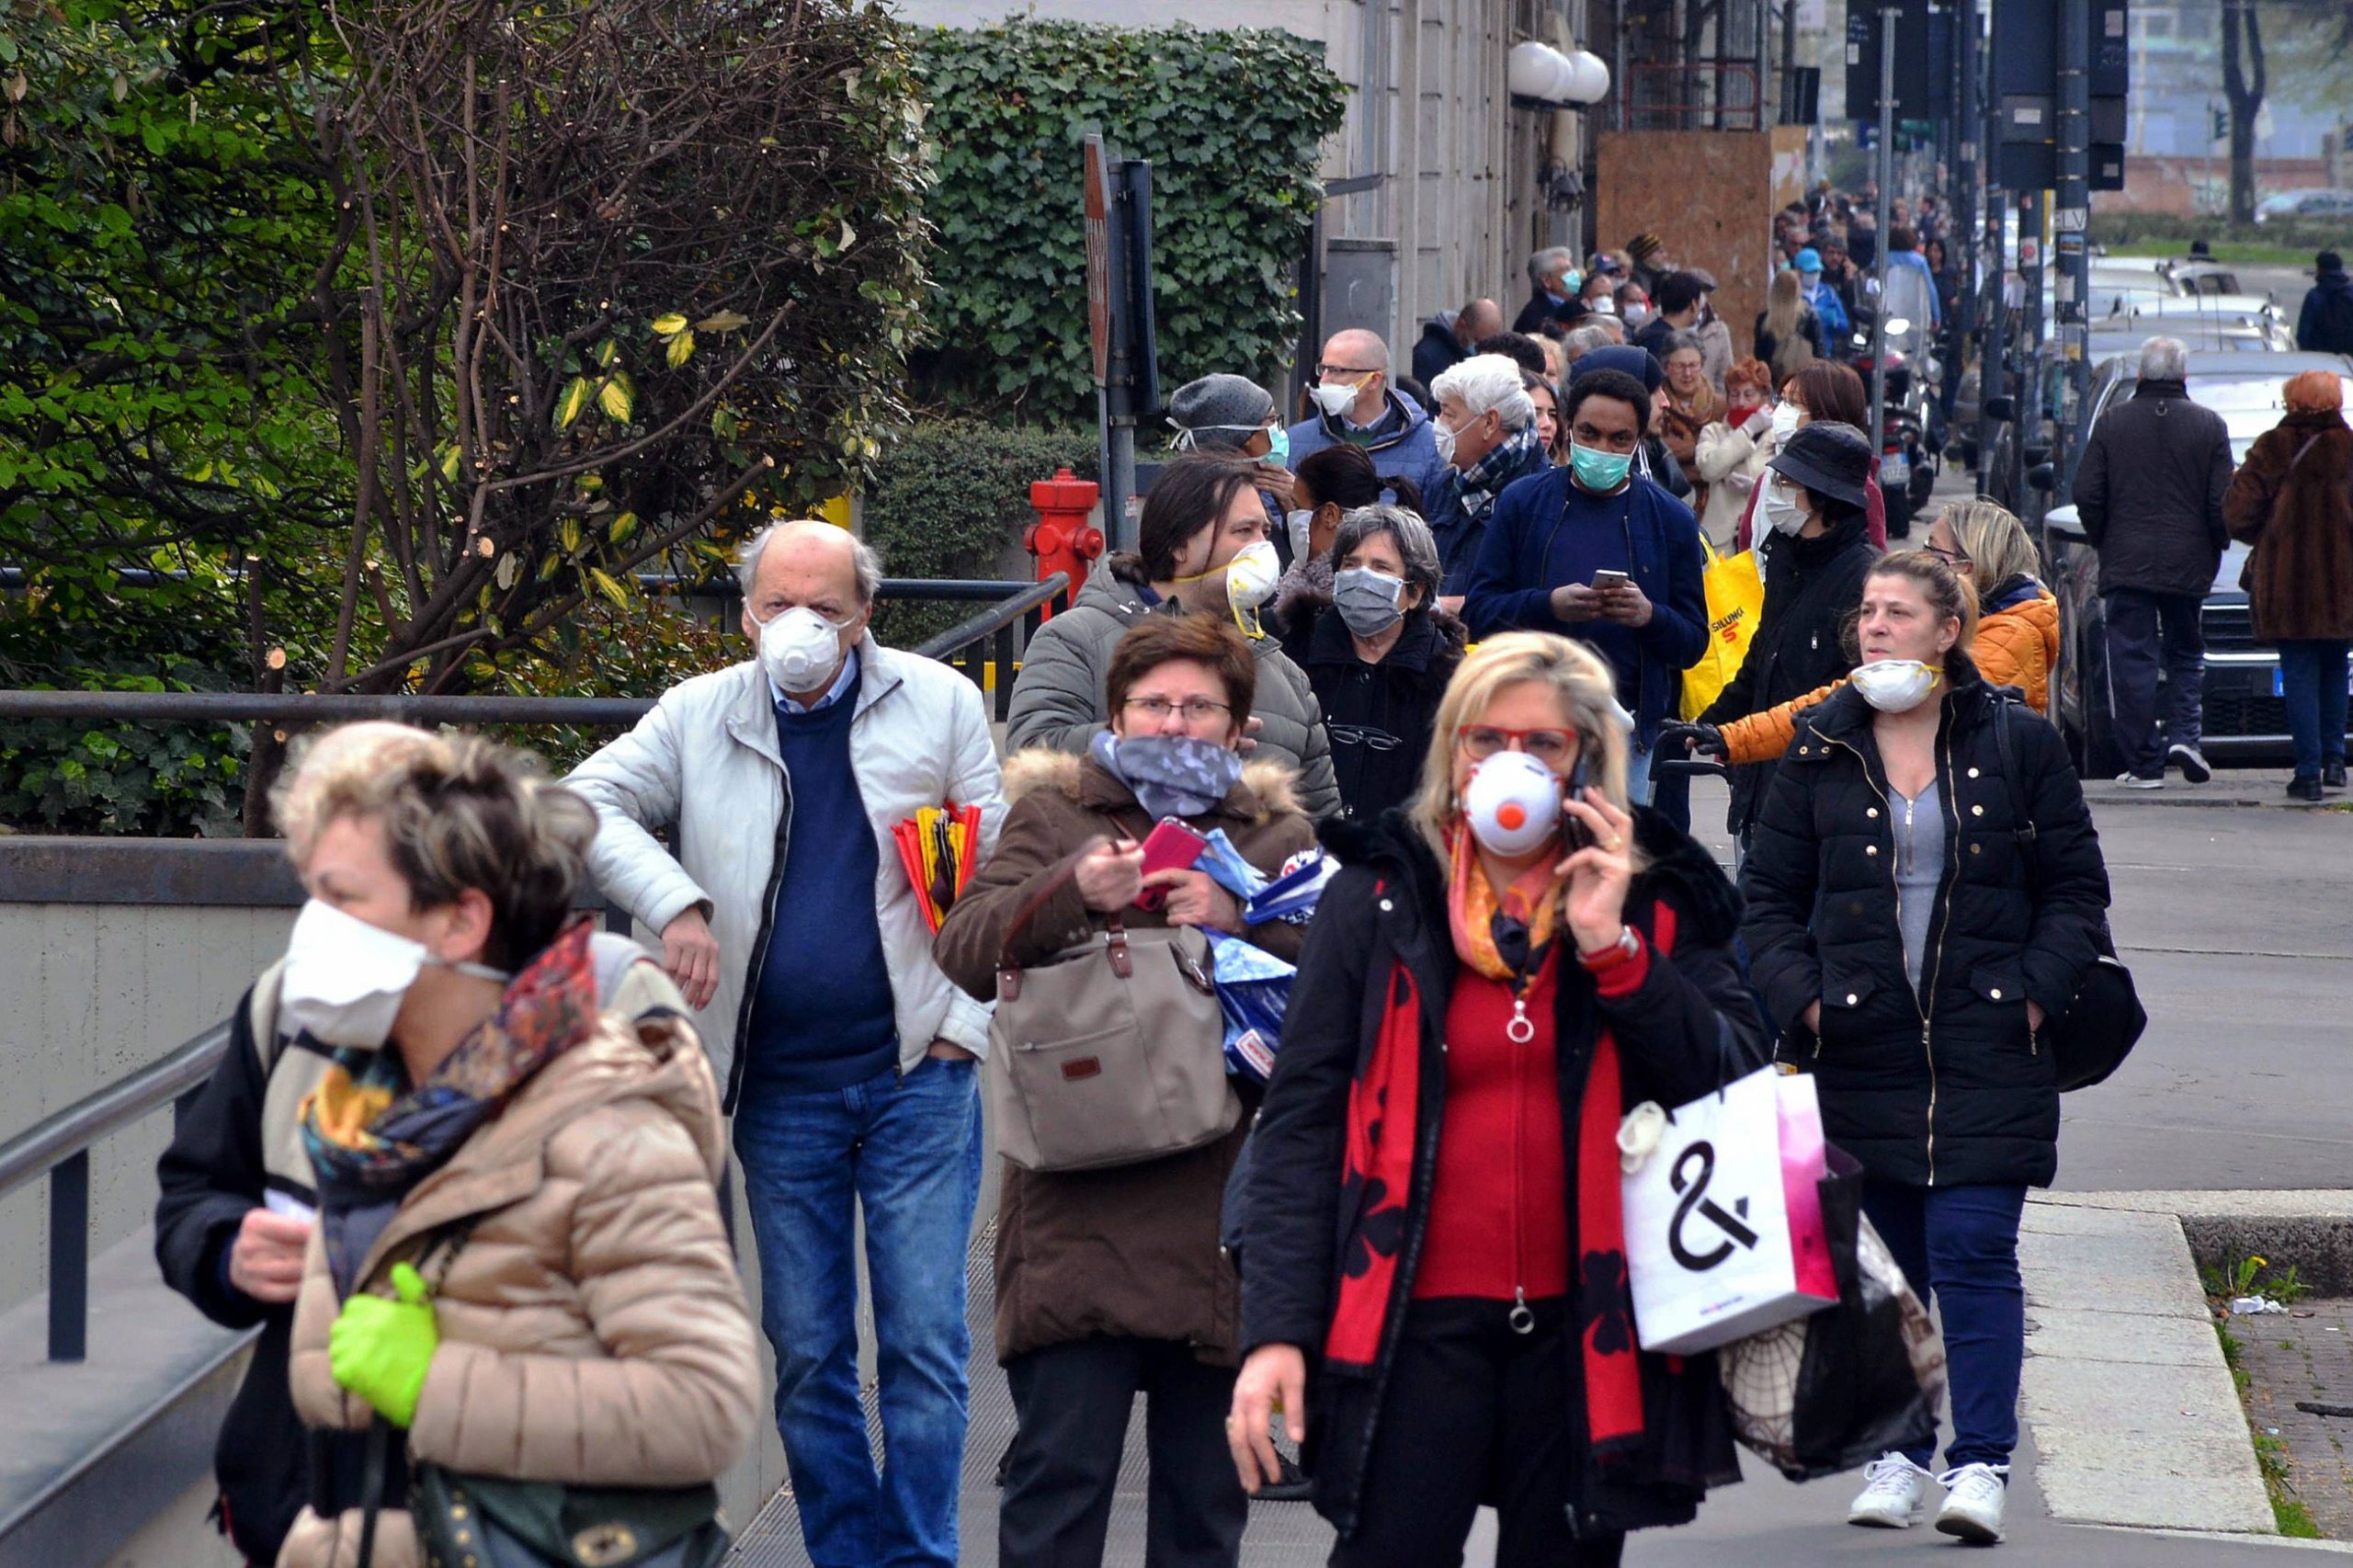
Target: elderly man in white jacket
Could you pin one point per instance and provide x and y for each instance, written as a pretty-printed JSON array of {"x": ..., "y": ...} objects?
[{"x": 849, "y": 1057}]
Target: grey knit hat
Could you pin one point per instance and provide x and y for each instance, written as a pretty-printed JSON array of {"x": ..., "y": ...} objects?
[{"x": 1220, "y": 411}]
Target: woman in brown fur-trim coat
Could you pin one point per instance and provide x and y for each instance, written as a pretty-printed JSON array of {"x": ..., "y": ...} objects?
[
  {"x": 2289, "y": 499},
  {"x": 1110, "y": 1282}
]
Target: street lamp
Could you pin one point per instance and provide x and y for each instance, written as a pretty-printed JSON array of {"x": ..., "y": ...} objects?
[{"x": 1543, "y": 74}]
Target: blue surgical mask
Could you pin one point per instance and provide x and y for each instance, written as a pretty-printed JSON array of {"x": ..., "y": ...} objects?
[
  {"x": 1598, "y": 470},
  {"x": 1278, "y": 446}
]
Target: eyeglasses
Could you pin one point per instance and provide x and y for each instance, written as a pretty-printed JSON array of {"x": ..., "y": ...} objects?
[
  {"x": 1554, "y": 748},
  {"x": 1324, "y": 370},
  {"x": 1952, "y": 558},
  {"x": 1195, "y": 708}
]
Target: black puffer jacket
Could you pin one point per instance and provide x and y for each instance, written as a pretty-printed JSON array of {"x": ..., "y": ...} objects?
[
  {"x": 1379, "y": 716},
  {"x": 1380, "y": 941},
  {"x": 2150, "y": 491},
  {"x": 1955, "y": 1090},
  {"x": 1811, "y": 587}
]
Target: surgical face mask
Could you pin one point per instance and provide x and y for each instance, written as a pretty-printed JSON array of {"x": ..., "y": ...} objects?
[
  {"x": 1812, "y": 280},
  {"x": 1250, "y": 576},
  {"x": 1444, "y": 435},
  {"x": 1598, "y": 470},
  {"x": 1512, "y": 803},
  {"x": 1301, "y": 524},
  {"x": 1335, "y": 398},
  {"x": 1894, "y": 686},
  {"x": 1602, "y": 306},
  {"x": 1368, "y": 600},
  {"x": 1637, "y": 315},
  {"x": 801, "y": 650},
  {"x": 344, "y": 979},
  {"x": 1278, "y": 447},
  {"x": 1786, "y": 416},
  {"x": 1781, "y": 509}
]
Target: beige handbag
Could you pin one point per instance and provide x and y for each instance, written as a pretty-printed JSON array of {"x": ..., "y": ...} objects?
[{"x": 1111, "y": 1054}]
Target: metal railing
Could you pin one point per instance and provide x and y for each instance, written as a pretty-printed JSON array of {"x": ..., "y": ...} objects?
[{"x": 59, "y": 1146}]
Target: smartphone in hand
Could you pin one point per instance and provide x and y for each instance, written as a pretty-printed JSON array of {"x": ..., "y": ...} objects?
[
  {"x": 1170, "y": 846},
  {"x": 1604, "y": 580},
  {"x": 1575, "y": 834}
]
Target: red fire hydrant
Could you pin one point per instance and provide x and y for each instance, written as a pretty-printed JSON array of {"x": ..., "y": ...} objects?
[{"x": 1061, "y": 538}]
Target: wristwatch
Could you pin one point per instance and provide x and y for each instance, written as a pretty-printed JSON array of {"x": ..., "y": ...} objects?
[{"x": 1627, "y": 948}]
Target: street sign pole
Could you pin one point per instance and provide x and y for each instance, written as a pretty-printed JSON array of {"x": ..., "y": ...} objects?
[
  {"x": 1887, "y": 19},
  {"x": 2071, "y": 219},
  {"x": 1993, "y": 364},
  {"x": 1111, "y": 330}
]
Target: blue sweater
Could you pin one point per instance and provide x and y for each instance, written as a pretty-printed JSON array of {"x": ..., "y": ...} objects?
[
  {"x": 822, "y": 1018},
  {"x": 1545, "y": 531}
]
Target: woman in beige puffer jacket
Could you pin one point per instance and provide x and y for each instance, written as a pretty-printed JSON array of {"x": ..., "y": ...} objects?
[{"x": 551, "y": 1173}]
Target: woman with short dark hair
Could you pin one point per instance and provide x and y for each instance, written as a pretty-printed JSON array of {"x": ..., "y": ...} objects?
[{"x": 1110, "y": 1282}]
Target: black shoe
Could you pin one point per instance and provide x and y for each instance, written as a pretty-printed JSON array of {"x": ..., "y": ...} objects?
[
  {"x": 2191, "y": 761},
  {"x": 2333, "y": 776},
  {"x": 1292, "y": 1486},
  {"x": 2303, "y": 788}
]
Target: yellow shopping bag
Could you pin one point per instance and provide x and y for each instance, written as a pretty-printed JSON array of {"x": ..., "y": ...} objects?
[{"x": 1736, "y": 598}]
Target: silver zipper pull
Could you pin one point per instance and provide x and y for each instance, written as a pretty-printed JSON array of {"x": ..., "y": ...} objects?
[
  {"x": 1522, "y": 1029},
  {"x": 1522, "y": 1320}
]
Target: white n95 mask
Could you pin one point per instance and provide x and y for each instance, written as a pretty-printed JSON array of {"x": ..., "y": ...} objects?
[
  {"x": 1894, "y": 686},
  {"x": 344, "y": 979},
  {"x": 801, "y": 650},
  {"x": 1513, "y": 802}
]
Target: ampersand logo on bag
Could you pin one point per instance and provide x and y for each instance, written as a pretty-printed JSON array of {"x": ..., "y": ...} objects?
[{"x": 1695, "y": 1195}]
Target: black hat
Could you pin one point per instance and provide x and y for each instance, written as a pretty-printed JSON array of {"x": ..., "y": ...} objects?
[{"x": 1828, "y": 459}]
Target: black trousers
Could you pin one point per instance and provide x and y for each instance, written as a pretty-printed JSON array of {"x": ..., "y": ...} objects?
[
  {"x": 2146, "y": 632},
  {"x": 1473, "y": 1413},
  {"x": 1072, "y": 1403}
]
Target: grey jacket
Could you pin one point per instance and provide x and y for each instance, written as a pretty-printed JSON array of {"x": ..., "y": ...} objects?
[
  {"x": 704, "y": 766},
  {"x": 2150, "y": 491},
  {"x": 1059, "y": 701}
]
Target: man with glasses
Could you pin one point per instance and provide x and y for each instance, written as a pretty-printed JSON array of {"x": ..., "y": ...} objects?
[
  {"x": 1355, "y": 406},
  {"x": 1593, "y": 551}
]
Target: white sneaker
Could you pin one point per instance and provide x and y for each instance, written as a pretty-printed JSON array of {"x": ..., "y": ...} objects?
[
  {"x": 2191, "y": 761},
  {"x": 1893, "y": 1496},
  {"x": 2134, "y": 781},
  {"x": 1973, "y": 1497}
]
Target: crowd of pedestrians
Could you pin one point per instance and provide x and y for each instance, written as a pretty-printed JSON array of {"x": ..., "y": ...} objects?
[{"x": 1441, "y": 628}]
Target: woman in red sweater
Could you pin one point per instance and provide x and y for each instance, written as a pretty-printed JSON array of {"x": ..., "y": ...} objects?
[{"x": 1434, "y": 1289}]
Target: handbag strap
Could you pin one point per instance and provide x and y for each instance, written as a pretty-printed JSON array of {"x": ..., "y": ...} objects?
[
  {"x": 2022, "y": 826},
  {"x": 371, "y": 1487},
  {"x": 1008, "y": 971}
]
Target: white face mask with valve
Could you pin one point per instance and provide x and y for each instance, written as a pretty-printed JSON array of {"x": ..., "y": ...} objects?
[
  {"x": 801, "y": 650},
  {"x": 1894, "y": 686},
  {"x": 1512, "y": 803},
  {"x": 343, "y": 979},
  {"x": 1250, "y": 576}
]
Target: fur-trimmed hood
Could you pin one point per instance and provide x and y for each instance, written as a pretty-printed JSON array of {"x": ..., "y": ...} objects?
[{"x": 1267, "y": 788}]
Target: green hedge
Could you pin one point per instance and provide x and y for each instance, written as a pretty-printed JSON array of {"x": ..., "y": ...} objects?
[
  {"x": 2302, "y": 237},
  {"x": 948, "y": 496},
  {"x": 1231, "y": 122}
]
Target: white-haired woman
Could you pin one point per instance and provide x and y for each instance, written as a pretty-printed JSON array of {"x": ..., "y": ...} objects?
[
  {"x": 1436, "y": 1297},
  {"x": 1380, "y": 661},
  {"x": 1486, "y": 439}
]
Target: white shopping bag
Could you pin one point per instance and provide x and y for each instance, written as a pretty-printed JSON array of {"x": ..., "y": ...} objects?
[{"x": 1723, "y": 1220}]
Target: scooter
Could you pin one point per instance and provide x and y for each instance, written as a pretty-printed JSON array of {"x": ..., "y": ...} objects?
[{"x": 1907, "y": 463}]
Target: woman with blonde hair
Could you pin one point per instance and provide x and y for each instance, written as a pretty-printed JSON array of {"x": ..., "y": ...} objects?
[
  {"x": 1924, "y": 892},
  {"x": 1789, "y": 336},
  {"x": 1435, "y": 1296},
  {"x": 2290, "y": 502},
  {"x": 518, "y": 1265},
  {"x": 2017, "y": 643}
]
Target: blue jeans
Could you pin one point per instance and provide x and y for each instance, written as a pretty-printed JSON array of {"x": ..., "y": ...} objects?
[
  {"x": 907, "y": 1154},
  {"x": 1961, "y": 1244},
  {"x": 2312, "y": 679}
]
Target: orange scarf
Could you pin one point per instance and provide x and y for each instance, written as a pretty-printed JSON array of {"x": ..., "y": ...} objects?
[{"x": 1532, "y": 902}]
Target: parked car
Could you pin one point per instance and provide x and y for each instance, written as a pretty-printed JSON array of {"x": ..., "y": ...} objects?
[
  {"x": 2244, "y": 717},
  {"x": 2248, "y": 312},
  {"x": 2288, "y": 205}
]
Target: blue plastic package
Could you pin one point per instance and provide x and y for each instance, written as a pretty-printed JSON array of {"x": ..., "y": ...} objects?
[{"x": 1253, "y": 991}]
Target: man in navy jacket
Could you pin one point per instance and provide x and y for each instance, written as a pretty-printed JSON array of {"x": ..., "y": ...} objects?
[{"x": 1551, "y": 533}]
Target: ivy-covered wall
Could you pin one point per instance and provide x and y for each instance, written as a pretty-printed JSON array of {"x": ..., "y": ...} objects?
[{"x": 1230, "y": 121}]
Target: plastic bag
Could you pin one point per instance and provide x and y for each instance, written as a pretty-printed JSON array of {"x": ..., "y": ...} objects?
[
  {"x": 1291, "y": 897},
  {"x": 1253, "y": 991},
  {"x": 1228, "y": 870},
  {"x": 1836, "y": 1390}
]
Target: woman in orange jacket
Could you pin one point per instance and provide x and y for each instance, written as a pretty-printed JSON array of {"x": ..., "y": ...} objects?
[{"x": 2017, "y": 632}]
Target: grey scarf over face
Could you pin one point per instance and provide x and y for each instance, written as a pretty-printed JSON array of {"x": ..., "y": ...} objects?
[{"x": 1173, "y": 776}]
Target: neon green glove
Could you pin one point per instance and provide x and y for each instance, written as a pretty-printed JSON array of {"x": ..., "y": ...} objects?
[{"x": 380, "y": 1350}]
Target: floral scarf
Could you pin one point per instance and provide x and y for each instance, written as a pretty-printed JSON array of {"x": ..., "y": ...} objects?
[
  {"x": 372, "y": 1137},
  {"x": 1503, "y": 939}
]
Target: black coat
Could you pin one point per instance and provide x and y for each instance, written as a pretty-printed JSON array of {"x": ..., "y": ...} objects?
[
  {"x": 1381, "y": 716},
  {"x": 1955, "y": 1089},
  {"x": 1539, "y": 310},
  {"x": 1688, "y": 1029},
  {"x": 1436, "y": 351},
  {"x": 1812, "y": 587},
  {"x": 2325, "y": 325},
  {"x": 210, "y": 1177},
  {"x": 2150, "y": 491}
]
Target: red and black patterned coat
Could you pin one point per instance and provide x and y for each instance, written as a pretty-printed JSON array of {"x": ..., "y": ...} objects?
[{"x": 1331, "y": 1249}]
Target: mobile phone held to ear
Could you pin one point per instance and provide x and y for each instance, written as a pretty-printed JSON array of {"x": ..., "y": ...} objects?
[
  {"x": 1604, "y": 580},
  {"x": 1170, "y": 846},
  {"x": 1575, "y": 834}
]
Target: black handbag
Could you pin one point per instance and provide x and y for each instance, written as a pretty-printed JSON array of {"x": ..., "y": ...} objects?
[
  {"x": 2090, "y": 1037},
  {"x": 495, "y": 1523}
]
